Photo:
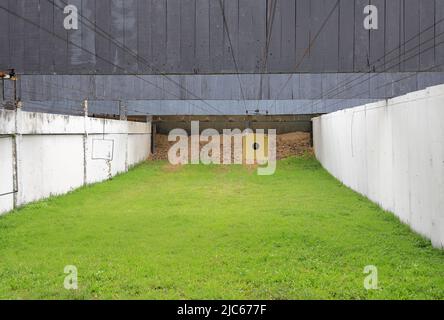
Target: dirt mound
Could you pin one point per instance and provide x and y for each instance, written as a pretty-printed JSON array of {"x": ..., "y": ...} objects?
[
  {"x": 292, "y": 144},
  {"x": 289, "y": 144},
  {"x": 162, "y": 145}
]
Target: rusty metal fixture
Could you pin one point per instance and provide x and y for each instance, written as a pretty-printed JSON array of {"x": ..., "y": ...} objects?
[{"x": 9, "y": 74}]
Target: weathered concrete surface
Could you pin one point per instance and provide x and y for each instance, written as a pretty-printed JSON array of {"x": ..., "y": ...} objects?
[
  {"x": 392, "y": 152},
  {"x": 6, "y": 174},
  {"x": 49, "y": 165},
  {"x": 50, "y": 155}
]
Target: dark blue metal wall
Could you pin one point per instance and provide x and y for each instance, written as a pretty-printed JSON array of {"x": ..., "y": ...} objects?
[
  {"x": 187, "y": 36},
  {"x": 130, "y": 50}
]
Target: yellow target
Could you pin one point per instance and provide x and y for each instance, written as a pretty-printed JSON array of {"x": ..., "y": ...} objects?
[{"x": 255, "y": 148}]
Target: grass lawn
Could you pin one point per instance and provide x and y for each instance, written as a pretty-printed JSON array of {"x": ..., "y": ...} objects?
[{"x": 215, "y": 232}]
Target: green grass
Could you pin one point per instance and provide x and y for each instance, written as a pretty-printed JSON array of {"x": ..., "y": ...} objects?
[{"x": 213, "y": 232}]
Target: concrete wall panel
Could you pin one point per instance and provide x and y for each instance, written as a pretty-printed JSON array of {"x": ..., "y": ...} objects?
[
  {"x": 6, "y": 174},
  {"x": 7, "y": 121},
  {"x": 102, "y": 169},
  {"x": 392, "y": 152},
  {"x": 49, "y": 165},
  {"x": 50, "y": 155},
  {"x": 139, "y": 146}
]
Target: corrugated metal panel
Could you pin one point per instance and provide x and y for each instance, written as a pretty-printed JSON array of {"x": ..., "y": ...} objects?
[
  {"x": 411, "y": 29},
  {"x": 346, "y": 35},
  {"x": 439, "y": 30},
  {"x": 31, "y": 59},
  {"x": 188, "y": 36},
  {"x": 225, "y": 87},
  {"x": 5, "y": 54},
  {"x": 159, "y": 33},
  {"x": 202, "y": 50},
  {"x": 393, "y": 40},
  {"x": 362, "y": 38},
  {"x": 303, "y": 35},
  {"x": 377, "y": 37},
  {"x": 131, "y": 34},
  {"x": 329, "y": 52},
  {"x": 144, "y": 43},
  {"x": 17, "y": 34},
  {"x": 426, "y": 22}
]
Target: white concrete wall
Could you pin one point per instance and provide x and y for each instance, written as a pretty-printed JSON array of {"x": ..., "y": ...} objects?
[
  {"x": 53, "y": 154},
  {"x": 392, "y": 152},
  {"x": 139, "y": 145},
  {"x": 49, "y": 165},
  {"x": 6, "y": 174}
]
